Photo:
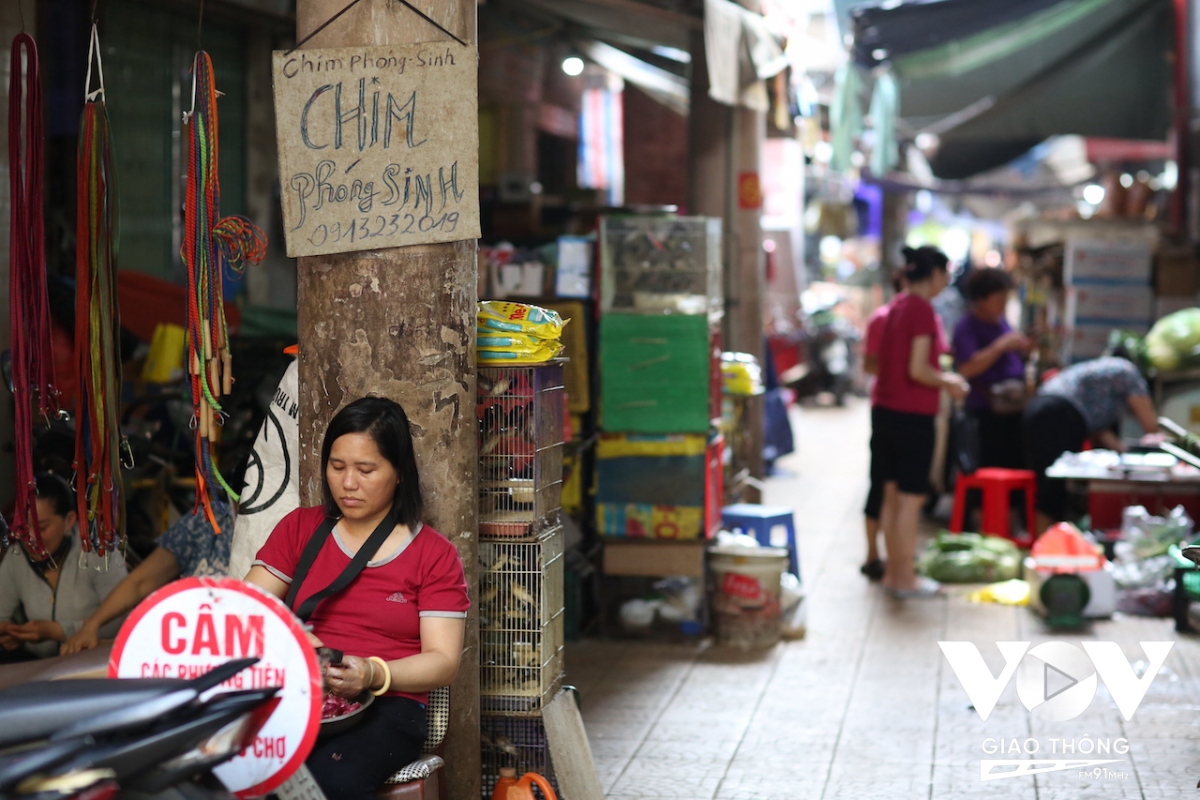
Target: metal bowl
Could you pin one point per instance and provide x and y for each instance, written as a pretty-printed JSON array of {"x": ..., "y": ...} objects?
[{"x": 335, "y": 725}]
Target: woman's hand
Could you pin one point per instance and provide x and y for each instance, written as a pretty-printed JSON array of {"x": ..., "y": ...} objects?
[
  {"x": 350, "y": 678},
  {"x": 87, "y": 638},
  {"x": 956, "y": 385},
  {"x": 7, "y": 640},
  {"x": 37, "y": 630},
  {"x": 1014, "y": 341}
]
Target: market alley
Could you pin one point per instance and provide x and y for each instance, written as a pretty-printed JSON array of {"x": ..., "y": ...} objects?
[{"x": 866, "y": 705}]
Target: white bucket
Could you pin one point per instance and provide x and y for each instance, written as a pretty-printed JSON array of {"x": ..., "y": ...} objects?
[{"x": 746, "y": 594}]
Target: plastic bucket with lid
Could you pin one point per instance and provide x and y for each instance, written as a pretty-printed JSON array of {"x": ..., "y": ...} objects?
[{"x": 746, "y": 594}]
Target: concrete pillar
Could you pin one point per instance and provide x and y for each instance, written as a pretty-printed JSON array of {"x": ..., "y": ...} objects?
[
  {"x": 723, "y": 144},
  {"x": 400, "y": 323}
]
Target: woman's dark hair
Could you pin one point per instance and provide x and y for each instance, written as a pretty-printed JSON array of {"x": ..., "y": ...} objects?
[
  {"x": 387, "y": 425},
  {"x": 983, "y": 283},
  {"x": 920, "y": 262},
  {"x": 898, "y": 278},
  {"x": 55, "y": 489}
]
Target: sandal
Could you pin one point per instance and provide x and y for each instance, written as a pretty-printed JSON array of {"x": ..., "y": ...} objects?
[
  {"x": 873, "y": 569},
  {"x": 926, "y": 588}
]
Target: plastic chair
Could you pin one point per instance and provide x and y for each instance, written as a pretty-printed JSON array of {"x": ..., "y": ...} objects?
[
  {"x": 419, "y": 780},
  {"x": 997, "y": 485},
  {"x": 761, "y": 522}
]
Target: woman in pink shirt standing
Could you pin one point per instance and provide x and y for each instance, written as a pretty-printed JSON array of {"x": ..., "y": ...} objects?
[
  {"x": 874, "y": 567},
  {"x": 907, "y": 388}
]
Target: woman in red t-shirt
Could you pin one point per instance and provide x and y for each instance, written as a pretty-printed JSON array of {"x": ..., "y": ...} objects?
[
  {"x": 873, "y": 568},
  {"x": 399, "y": 622},
  {"x": 907, "y": 389}
]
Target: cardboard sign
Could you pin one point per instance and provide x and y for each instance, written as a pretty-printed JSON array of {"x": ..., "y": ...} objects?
[
  {"x": 378, "y": 146},
  {"x": 192, "y": 625}
]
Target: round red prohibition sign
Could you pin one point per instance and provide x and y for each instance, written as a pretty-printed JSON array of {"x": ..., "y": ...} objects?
[{"x": 190, "y": 626}]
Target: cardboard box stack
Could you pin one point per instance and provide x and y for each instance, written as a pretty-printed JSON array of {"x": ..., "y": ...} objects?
[
  {"x": 1108, "y": 286},
  {"x": 658, "y": 476}
]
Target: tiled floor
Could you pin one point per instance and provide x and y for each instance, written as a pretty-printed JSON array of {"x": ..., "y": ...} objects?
[{"x": 866, "y": 706}]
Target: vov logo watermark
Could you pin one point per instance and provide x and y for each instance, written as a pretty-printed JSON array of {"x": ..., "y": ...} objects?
[{"x": 1056, "y": 682}]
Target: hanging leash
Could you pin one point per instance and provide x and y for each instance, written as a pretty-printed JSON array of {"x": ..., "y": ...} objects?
[
  {"x": 33, "y": 367},
  {"x": 97, "y": 319},
  {"x": 211, "y": 244}
]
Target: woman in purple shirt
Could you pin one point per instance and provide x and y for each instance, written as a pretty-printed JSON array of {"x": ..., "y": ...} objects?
[{"x": 987, "y": 352}]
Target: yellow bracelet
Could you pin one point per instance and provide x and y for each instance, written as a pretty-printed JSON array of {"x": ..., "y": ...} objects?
[{"x": 387, "y": 675}]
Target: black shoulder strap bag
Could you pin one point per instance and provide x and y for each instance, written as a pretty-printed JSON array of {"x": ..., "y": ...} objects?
[{"x": 356, "y": 565}]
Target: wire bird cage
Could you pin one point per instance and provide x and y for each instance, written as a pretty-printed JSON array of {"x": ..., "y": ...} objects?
[
  {"x": 518, "y": 742},
  {"x": 652, "y": 264},
  {"x": 521, "y": 623},
  {"x": 520, "y": 415}
]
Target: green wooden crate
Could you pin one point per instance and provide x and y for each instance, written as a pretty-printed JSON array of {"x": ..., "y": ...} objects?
[{"x": 654, "y": 373}]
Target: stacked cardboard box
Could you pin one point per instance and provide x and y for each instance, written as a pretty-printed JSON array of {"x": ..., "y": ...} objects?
[{"x": 1108, "y": 285}]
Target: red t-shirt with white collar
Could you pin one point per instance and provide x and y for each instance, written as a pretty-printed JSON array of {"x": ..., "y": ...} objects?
[
  {"x": 908, "y": 317},
  {"x": 379, "y": 613}
]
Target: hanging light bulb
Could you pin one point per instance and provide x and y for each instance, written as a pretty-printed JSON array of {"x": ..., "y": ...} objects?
[{"x": 572, "y": 65}]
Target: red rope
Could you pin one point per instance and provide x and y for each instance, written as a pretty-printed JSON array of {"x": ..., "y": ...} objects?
[{"x": 33, "y": 370}]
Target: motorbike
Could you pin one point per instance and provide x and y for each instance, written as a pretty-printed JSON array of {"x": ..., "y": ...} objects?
[
  {"x": 127, "y": 739},
  {"x": 830, "y": 346}
]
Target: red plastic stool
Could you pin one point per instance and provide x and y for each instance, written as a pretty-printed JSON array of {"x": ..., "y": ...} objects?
[{"x": 997, "y": 485}]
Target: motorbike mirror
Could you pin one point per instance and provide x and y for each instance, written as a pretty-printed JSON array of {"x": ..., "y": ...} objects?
[
  {"x": 1192, "y": 553},
  {"x": 218, "y": 675},
  {"x": 17, "y": 769}
]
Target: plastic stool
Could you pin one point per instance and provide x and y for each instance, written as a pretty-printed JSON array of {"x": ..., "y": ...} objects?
[
  {"x": 760, "y": 522},
  {"x": 997, "y": 486}
]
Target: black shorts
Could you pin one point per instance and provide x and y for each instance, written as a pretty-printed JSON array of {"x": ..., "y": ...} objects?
[
  {"x": 905, "y": 449},
  {"x": 1000, "y": 440},
  {"x": 875, "y": 493},
  {"x": 1051, "y": 426}
]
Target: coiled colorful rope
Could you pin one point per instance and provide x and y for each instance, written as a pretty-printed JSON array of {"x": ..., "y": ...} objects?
[
  {"x": 33, "y": 370},
  {"x": 210, "y": 244},
  {"x": 97, "y": 320}
]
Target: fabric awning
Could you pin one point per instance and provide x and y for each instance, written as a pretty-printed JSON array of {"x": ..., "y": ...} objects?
[
  {"x": 921, "y": 24},
  {"x": 946, "y": 79},
  {"x": 994, "y": 77},
  {"x": 1118, "y": 85},
  {"x": 626, "y": 22}
]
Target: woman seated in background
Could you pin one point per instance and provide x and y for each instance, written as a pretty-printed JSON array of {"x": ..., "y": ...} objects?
[
  {"x": 991, "y": 355},
  {"x": 57, "y": 592},
  {"x": 399, "y": 622},
  {"x": 1084, "y": 401},
  {"x": 189, "y": 548}
]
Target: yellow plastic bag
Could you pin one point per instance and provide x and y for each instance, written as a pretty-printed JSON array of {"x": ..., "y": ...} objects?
[
  {"x": 1006, "y": 593},
  {"x": 521, "y": 354},
  {"x": 519, "y": 318},
  {"x": 497, "y": 340}
]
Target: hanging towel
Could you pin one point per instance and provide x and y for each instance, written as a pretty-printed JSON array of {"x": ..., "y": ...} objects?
[
  {"x": 884, "y": 106},
  {"x": 741, "y": 53}
]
